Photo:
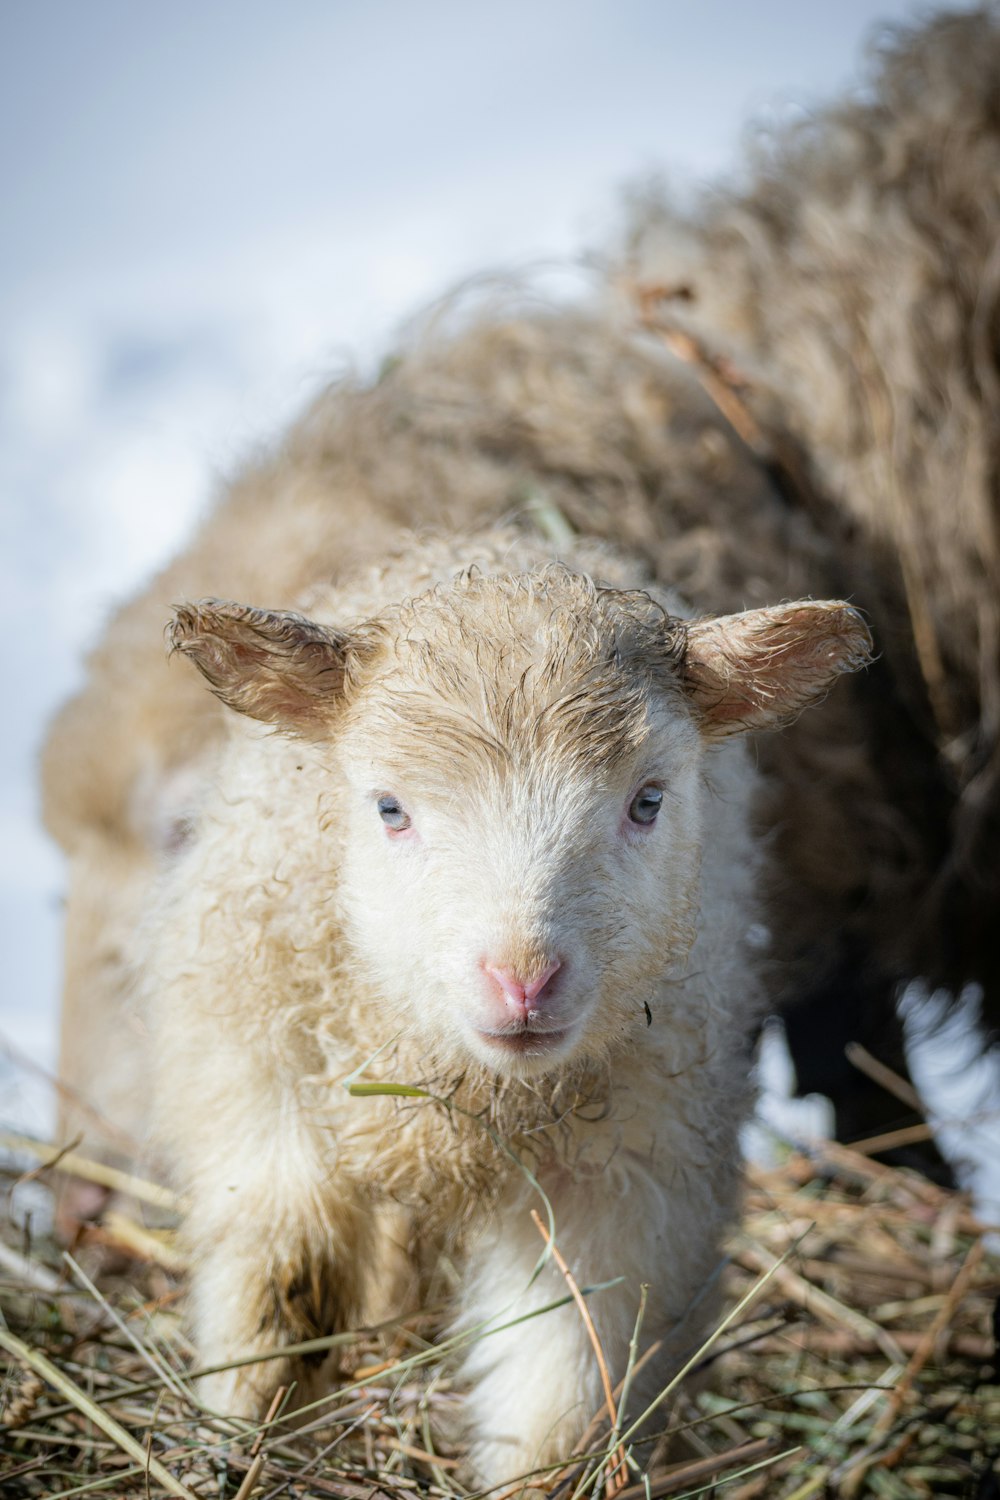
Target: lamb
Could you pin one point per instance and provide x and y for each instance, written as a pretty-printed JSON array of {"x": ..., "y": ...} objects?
[{"x": 483, "y": 828}]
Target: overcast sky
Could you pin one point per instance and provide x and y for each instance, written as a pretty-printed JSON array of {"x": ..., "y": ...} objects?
[{"x": 211, "y": 205}]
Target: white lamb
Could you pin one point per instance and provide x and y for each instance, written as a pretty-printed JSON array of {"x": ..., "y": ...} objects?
[{"x": 492, "y": 841}]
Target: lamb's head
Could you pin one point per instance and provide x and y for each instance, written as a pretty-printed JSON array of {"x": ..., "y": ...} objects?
[{"x": 520, "y": 761}]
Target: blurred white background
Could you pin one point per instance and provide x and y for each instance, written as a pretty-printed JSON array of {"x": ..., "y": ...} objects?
[{"x": 209, "y": 208}]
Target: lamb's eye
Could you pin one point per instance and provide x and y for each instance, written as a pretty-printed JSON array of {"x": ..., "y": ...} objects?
[
  {"x": 645, "y": 805},
  {"x": 391, "y": 812}
]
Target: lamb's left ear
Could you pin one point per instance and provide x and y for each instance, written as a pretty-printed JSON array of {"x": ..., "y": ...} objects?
[
  {"x": 758, "y": 670},
  {"x": 274, "y": 665}
]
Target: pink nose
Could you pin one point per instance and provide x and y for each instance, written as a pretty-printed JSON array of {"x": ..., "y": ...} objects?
[{"x": 522, "y": 995}]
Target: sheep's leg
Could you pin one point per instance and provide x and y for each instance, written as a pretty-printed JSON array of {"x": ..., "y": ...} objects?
[
  {"x": 278, "y": 1248},
  {"x": 535, "y": 1386}
]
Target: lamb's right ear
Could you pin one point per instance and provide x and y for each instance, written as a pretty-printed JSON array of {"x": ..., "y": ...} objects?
[{"x": 274, "y": 665}]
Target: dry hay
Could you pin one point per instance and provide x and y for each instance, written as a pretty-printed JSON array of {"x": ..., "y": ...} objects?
[{"x": 858, "y": 1358}]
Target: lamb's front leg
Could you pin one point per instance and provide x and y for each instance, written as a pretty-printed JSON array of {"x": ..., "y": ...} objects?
[
  {"x": 278, "y": 1247},
  {"x": 535, "y": 1386}
]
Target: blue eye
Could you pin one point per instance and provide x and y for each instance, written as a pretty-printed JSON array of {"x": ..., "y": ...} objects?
[
  {"x": 391, "y": 812},
  {"x": 645, "y": 805}
]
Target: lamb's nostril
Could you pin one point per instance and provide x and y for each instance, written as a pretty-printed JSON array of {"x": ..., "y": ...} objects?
[
  {"x": 521, "y": 991},
  {"x": 537, "y": 988}
]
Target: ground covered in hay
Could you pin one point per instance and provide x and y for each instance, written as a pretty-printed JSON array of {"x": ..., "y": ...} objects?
[{"x": 858, "y": 1358}]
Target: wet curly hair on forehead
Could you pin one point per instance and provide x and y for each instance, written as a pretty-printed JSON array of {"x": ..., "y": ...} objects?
[{"x": 509, "y": 665}]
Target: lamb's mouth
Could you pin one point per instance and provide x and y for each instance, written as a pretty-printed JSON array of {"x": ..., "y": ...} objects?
[{"x": 525, "y": 1041}]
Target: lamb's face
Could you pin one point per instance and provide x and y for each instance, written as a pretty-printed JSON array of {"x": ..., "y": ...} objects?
[
  {"x": 522, "y": 825},
  {"x": 518, "y": 760}
]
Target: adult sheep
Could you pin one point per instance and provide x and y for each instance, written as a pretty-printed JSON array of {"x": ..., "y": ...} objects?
[{"x": 483, "y": 832}]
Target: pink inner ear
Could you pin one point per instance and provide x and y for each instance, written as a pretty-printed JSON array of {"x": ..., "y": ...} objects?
[{"x": 760, "y": 669}]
